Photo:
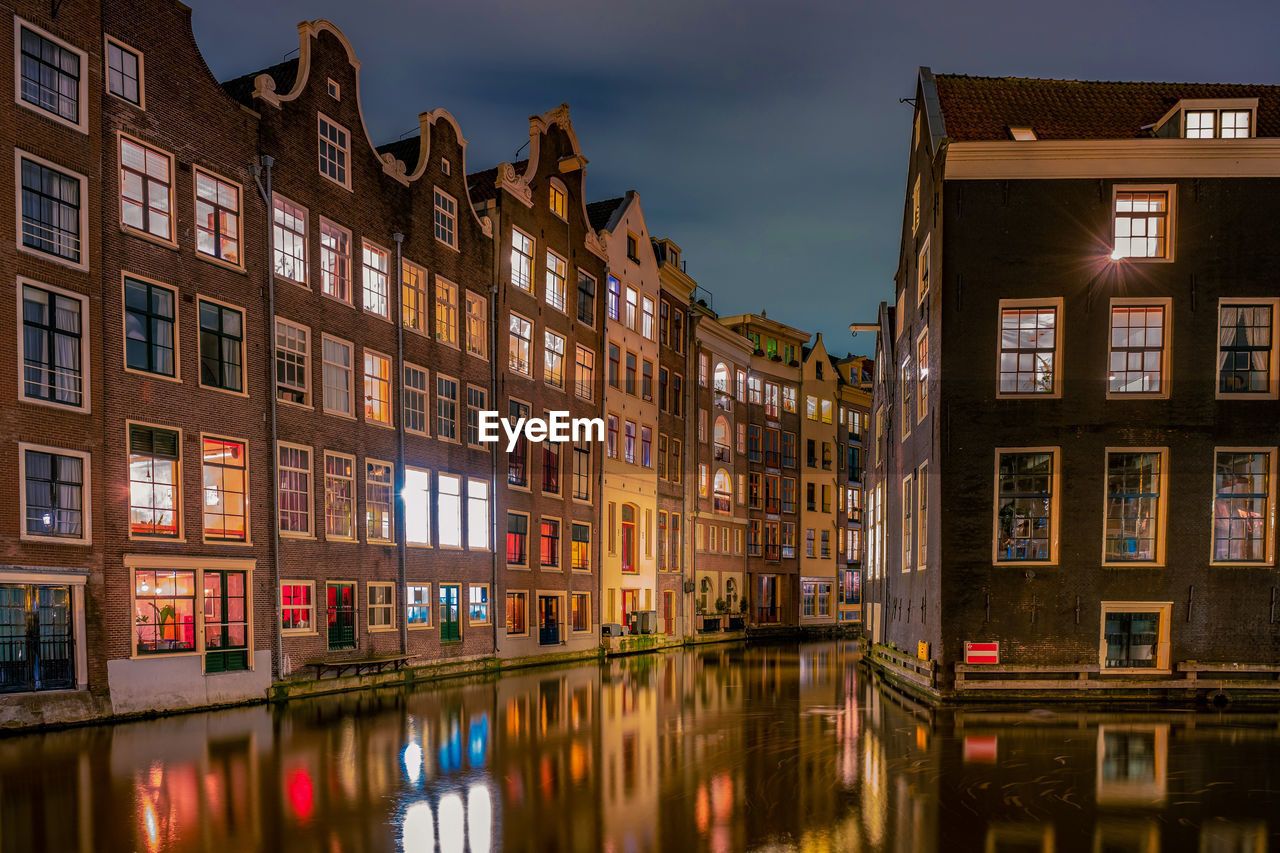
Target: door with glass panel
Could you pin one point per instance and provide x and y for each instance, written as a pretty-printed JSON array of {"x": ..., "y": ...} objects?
[
  {"x": 549, "y": 630},
  {"x": 342, "y": 615},
  {"x": 450, "y": 629},
  {"x": 37, "y": 651},
  {"x": 226, "y": 622}
]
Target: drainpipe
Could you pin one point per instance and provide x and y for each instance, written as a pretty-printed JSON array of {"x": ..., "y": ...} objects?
[
  {"x": 258, "y": 170},
  {"x": 495, "y": 217},
  {"x": 402, "y": 527}
]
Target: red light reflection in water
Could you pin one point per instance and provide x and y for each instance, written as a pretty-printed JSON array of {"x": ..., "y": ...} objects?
[{"x": 301, "y": 793}]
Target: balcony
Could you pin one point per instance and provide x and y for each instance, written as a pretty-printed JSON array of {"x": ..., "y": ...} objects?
[
  {"x": 772, "y": 554},
  {"x": 753, "y": 549},
  {"x": 771, "y": 459},
  {"x": 788, "y": 506},
  {"x": 788, "y": 552},
  {"x": 753, "y": 454},
  {"x": 773, "y": 506},
  {"x": 721, "y": 503}
]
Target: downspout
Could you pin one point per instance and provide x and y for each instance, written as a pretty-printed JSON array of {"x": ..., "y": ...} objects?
[
  {"x": 265, "y": 162},
  {"x": 402, "y": 526},
  {"x": 495, "y": 216}
]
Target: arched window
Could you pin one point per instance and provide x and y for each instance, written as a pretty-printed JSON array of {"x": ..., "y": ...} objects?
[
  {"x": 723, "y": 490},
  {"x": 629, "y": 539},
  {"x": 722, "y": 440},
  {"x": 731, "y": 594},
  {"x": 721, "y": 378},
  {"x": 704, "y": 593}
]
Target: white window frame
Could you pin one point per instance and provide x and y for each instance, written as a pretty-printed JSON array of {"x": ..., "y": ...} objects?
[
  {"x": 1055, "y": 303},
  {"x": 923, "y": 271},
  {"x": 83, "y": 265},
  {"x": 365, "y": 384},
  {"x": 390, "y": 607},
  {"x": 86, "y": 495},
  {"x": 443, "y": 219},
  {"x": 488, "y": 620},
  {"x": 1170, "y": 216},
  {"x": 484, "y": 524},
  {"x": 370, "y": 246},
  {"x": 406, "y": 392},
  {"x": 1164, "y": 608},
  {"x": 447, "y": 327},
  {"x": 86, "y": 380},
  {"x": 248, "y": 490},
  {"x": 392, "y": 497},
  {"x": 1166, "y": 303},
  {"x": 477, "y": 340},
  {"x": 1273, "y": 383},
  {"x": 350, "y": 372},
  {"x": 308, "y": 396},
  {"x": 407, "y": 503},
  {"x": 413, "y": 281},
  {"x": 322, "y": 139},
  {"x": 353, "y": 480},
  {"x": 527, "y": 260},
  {"x": 326, "y": 223},
  {"x": 280, "y": 203},
  {"x": 109, "y": 40},
  {"x": 82, "y": 102},
  {"x": 238, "y": 264},
  {"x": 172, "y": 239},
  {"x": 442, "y": 539},
  {"x": 428, "y": 604},
  {"x": 309, "y": 533},
  {"x": 296, "y": 632},
  {"x": 1055, "y": 507}
]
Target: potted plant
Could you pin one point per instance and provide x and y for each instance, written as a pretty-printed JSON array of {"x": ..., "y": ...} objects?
[{"x": 739, "y": 622}]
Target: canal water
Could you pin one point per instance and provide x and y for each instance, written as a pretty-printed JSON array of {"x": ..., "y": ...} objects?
[{"x": 722, "y": 748}]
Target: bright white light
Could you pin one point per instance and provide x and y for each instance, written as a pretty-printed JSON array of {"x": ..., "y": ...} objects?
[
  {"x": 479, "y": 818},
  {"x": 1116, "y": 255},
  {"x": 416, "y": 834},
  {"x": 413, "y": 762},
  {"x": 452, "y": 830}
]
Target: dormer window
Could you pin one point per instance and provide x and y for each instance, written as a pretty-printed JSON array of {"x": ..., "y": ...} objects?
[
  {"x": 1217, "y": 124},
  {"x": 1022, "y": 134}
]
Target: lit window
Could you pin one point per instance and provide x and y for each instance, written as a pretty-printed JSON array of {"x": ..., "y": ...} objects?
[
  {"x": 517, "y": 539},
  {"x": 1201, "y": 124},
  {"x": 49, "y": 74},
  {"x": 446, "y": 312},
  {"x": 154, "y": 487},
  {"x": 221, "y": 347},
  {"x": 293, "y": 363},
  {"x": 418, "y": 602},
  {"x": 632, "y": 307},
  {"x": 164, "y": 611},
  {"x": 585, "y": 372},
  {"x": 381, "y": 603},
  {"x": 556, "y": 273},
  {"x": 1134, "y": 507},
  {"x": 922, "y": 272},
  {"x": 908, "y": 503},
  {"x": 1134, "y": 636},
  {"x": 335, "y": 91},
  {"x": 613, "y": 297},
  {"x": 549, "y": 548},
  {"x": 415, "y": 399},
  {"x": 337, "y": 376},
  {"x": 1141, "y": 222},
  {"x": 226, "y": 490},
  {"x": 52, "y": 210},
  {"x": 477, "y": 515},
  {"x": 335, "y": 152},
  {"x": 53, "y": 346},
  {"x": 377, "y": 388},
  {"x": 124, "y": 72},
  {"x": 556, "y": 199},
  {"x": 446, "y": 408},
  {"x": 294, "y": 489},
  {"x": 376, "y": 261},
  {"x": 149, "y": 315},
  {"x": 339, "y": 496},
  {"x": 146, "y": 189},
  {"x": 581, "y": 553},
  {"x": 1235, "y": 124},
  {"x": 379, "y": 505},
  {"x": 907, "y": 382},
  {"x": 449, "y": 509},
  {"x": 1137, "y": 359},
  {"x": 478, "y": 604},
  {"x": 335, "y": 261},
  {"x": 413, "y": 297},
  {"x": 647, "y": 318},
  {"x": 580, "y": 617},
  {"x": 517, "y": 613},
  {"x": 1245, "y": 348},
  {"x": 915, "y": 205},
  {"x": 417, "y": 506},
  {"x": 521, "y": 260},
  {"x": 477, "y": 325},
  {"x": 1026, "y": 506},
  {"x": 922, "y": 375},
  {"x": 289, "y": 240},
  {"x": 519, "y": 344},
  {"x": 518, "y": 458},
  {"x": 54, "y": 493},
  {"x": 446, "y": 219},
  {"x": 629, "y": 441},
  {"x": 553, "y": 360},
  {"x": 217, "y": 218},
  {"x": 1242, "y": 506},
  {"x": 1028, "y": 348},
  {"x": 297, "y": 607}
]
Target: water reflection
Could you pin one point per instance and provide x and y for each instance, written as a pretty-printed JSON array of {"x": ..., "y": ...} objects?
[{"x": 724, "y": 748}]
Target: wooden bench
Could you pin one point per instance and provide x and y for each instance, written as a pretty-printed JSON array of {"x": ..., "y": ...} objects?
[{"x": 359, "y": 665}]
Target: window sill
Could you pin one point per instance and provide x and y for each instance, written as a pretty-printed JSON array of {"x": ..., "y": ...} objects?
[
  {"x": 420, "y": 627},
  {"x": 235, "y": 543},
  {"x": 149, "y": 237},
  {"x": 286, "y": 280},
  {"x": 307, "y": 407},
  {"x": 292, "y": 633},
  {"x": 242, "y": 394},
  {"x": 61, "y": 407},
  {"x": 348, "y": 416},
  {"x": 147, "y": 374},
  {"x": 296, "y": 537},
  {"x": 1269, "y": 564},
  {"x": 219, "y": 262},
  {"x": 57, "y": 540}
]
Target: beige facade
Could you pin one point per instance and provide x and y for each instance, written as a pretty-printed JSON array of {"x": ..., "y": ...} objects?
[{"x": 819, "y": 486}]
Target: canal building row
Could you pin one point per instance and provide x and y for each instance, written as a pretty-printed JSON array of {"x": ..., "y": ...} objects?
[{"x": 253, "y": 347}]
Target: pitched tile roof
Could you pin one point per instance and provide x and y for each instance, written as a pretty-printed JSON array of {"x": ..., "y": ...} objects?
[
  {"x": 483, "y": 186},
  {"x": 241, "y": 88},
  {"x": 984, "y": 108},
  {"x": 600, "y": 212}
]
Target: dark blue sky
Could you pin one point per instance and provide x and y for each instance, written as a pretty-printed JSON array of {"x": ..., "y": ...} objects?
[{"x": 766, "y": 139}]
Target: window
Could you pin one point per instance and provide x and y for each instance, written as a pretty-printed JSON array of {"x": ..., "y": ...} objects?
[
  {"x": 677, "y": 330},
  {"x": 124, "y": 72},
  {"x": 517, "y": 459},
  {"x": 789, "y": 450},
  {"x": 289, "y": 240},
  {"x": 1242, "y": 506},
  {"x": 629, "y": 441},
  {"x": 521, "y": 260},
  {"x": 417, "y": 507},
  {"x": 517, "y": 613},
  {"x": 723, "y": 491},
  {"x": 922, "y": 271},
  {"x": 418, "y": 599},
  {"x": 446, "y": 408},
  {"x": 1235, "y": 124},
  {"x": 517, "y": 539},
  {"x": 551, "y": 467},
  {"x": 335, "y": 151},
  {"x": 613, "y": 298},
  {"x": 54, "y": 493},
  {"x": 217, "y": 218},
  {"x": 413, "y": 297},
  {"x": 549, "y": 550},
  {"x": 629, "y": 551},
  {"x": 789, "y": 397},
  {"x": 1026, "y": 505},
  {"x": 1204, "y": 124},
  {"x": 446, "y": 312},
  {"x": 478, "y": 515},
  {"x": 334, "y": 90},
  {"x": 150, "y": 343},
  {"x": 908, "y": 499},
  {"x": 415, "y": 397},
  {"x": 53, "y": 211},
  {"x": 677, "y": 462},
  {"x": 297, "y": 607},
  {"x": 922, "y": 376},
  {"x": 376, "y": 265},
  {"x": 337, "y": 376},
  {"x": 377, "y": 388},
  {"x": 1134, "y": 507},
  {"x": 585, "y": 372},
  {"x": 582, "y": 470},
  {"x": 154, "y": 485},
  {"x": 772, "y": 402},
  {"x": 381, "y": 604},
  {"x": 339, "y": 496},
  {"x": 446, "y": 219},
  {"x": 553, "y": 360},
  {"x": 556, "y": 198},
  {"x": 164, "y": 604},
  {"x": 294, "y": 488},
  {"x": 379, "y": 505},
  {"x": 1245, "y": 348},
  {"x": 704, "y": 483},
  {"x": 646, "y": 446},
  {"x": 580, "y": 617},
  {"x": 475, "y": 405},
  {"x": 335, "y": 261},
  {"x": 809, "y": 548},
  {"x": 555, "y": 288},
  {"x": 50, "y": 74},
  {"x": 53, "y": 365},
  {"x": 1029, "y": 347},
  {"x": 922, "y": 518},
  {"x": 907, "y": 382},
  {"x": 1135, "y": 635},
  {"x": 615, "y": 366},
  {"x": 221, "y": 347},
  {"x": 293, "y": 363},
  {"x": 632, "y": 306},
  {"x": 1141, "y": 223},
  {"x": 226, "y": 489},
  {"x": 1137, "y": 360},
  {"x": 586, "y": 299},
  {"x": 755, "y": 390},
  {"x": 146, "y": 189},
  {"x": 449, "y": 510},
  {"x": 519, "y": 344},
  {"x": 478, "y": 604},
  {"x": 629, "y": 377},
  {"x": 915, "y": 205},
  {"x": 677, "y": 395},
  {"x": 646, "y": 318},
  {"x": 477, "y": 325}
]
